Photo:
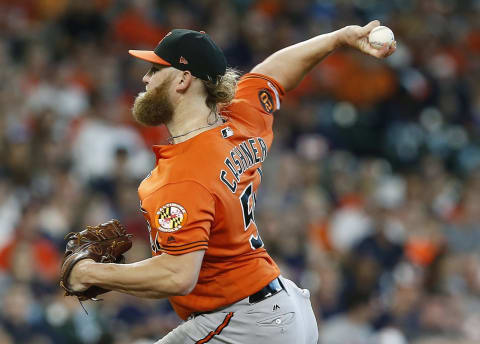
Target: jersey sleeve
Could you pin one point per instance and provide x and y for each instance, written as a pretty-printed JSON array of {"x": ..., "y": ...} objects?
[
  {"x": 180, "y": 217},
  {"x": 258, "y": 97}
]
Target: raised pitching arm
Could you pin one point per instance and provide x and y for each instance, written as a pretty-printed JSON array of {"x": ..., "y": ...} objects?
[{"x": 289, "y": 66}]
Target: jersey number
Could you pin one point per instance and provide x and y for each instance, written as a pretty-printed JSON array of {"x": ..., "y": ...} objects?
[{"x": 249, "y": 214}]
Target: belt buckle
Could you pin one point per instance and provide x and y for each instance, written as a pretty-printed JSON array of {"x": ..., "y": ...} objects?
[
  {"x": 269, "y": 290},
  {"x": 276, "y": 285}
]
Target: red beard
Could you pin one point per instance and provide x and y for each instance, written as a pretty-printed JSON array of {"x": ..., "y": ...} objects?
[{"x": 154, "y": 108}]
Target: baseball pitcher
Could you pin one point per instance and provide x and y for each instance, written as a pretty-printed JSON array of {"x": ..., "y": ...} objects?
[{"x": 199, "y": 200}]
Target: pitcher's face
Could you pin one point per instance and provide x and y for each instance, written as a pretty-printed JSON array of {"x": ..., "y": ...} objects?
[{"x": 154, "y": 106}]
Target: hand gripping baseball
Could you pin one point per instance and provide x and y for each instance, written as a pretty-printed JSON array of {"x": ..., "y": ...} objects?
[
  {"x": 105, "y": 243},
  {"x": 357, "y": 37}
]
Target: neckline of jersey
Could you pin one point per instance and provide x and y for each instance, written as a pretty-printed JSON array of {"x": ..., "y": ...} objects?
[{"x": 171, "y": 150}]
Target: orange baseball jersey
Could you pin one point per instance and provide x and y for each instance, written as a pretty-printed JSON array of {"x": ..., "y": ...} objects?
[{"x": 201, "y": 196}]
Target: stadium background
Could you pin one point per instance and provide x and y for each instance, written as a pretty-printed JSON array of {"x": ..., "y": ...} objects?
[{"x": 372, "y": 190}]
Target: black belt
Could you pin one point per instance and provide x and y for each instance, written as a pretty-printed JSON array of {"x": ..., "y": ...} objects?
[{"x": 270, "y": 289}]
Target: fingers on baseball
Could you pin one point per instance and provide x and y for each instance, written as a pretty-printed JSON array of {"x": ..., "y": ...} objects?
[
  {"x": 392, "y": 48},
  {"x": 385, "y": 51},
  {"x": 388, "y": 49},
  {"x": 379, "y": 53},
  {"x": 369, "y": 27}
]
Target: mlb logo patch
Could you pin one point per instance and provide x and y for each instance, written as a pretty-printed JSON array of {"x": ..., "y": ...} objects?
[{"x": 227, "y": 132}]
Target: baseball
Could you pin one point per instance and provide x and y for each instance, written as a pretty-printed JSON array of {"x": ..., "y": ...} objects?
[{"x": 379, "y": 36}]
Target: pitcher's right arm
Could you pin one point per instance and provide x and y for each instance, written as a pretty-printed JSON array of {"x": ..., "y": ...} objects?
[{"x": 289, "y": 65}]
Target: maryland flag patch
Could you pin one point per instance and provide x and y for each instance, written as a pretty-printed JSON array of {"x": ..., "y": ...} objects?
[{"x": 171, "y": 217}]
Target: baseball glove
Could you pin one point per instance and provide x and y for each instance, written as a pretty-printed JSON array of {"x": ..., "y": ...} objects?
[{"x": 105, "y": 243}]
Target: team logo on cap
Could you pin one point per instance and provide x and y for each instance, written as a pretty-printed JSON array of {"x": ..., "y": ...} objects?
[
  {"x": 171, "y": 217},
  {"x": 183, "y": 60}
]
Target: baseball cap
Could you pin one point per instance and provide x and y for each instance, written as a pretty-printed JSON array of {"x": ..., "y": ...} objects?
[{"x": 187, "y": 50}]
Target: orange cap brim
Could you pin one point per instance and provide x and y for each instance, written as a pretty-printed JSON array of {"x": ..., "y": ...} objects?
[{"x": 148, "y": 55}]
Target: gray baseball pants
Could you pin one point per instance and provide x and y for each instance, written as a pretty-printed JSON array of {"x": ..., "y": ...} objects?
[{"x": 284, "y": 318}]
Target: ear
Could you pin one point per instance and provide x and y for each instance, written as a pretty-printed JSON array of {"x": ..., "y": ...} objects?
[{"x": 184, "y": 82}]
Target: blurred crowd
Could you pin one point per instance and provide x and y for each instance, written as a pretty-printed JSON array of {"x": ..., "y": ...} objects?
[{"x": 372, "y": 190}]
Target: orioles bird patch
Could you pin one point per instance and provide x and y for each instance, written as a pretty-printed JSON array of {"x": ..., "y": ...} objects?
[
  {"x": 171, "y": 217},
  {"x": 266, "y": 100}
]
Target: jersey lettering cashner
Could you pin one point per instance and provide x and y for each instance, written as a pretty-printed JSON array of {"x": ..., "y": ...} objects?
[
  {"x": 242, "y": 157},
  {"x": 201, "y": 195}
]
